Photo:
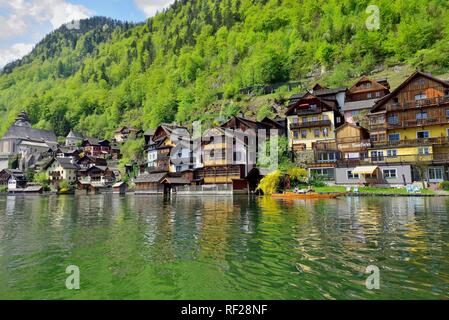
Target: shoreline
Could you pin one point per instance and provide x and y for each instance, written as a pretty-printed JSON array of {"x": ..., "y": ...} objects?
[{"x": 339, "y": 195}]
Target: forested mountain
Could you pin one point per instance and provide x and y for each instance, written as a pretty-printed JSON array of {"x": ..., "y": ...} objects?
[{"x": 171, "y": 67}]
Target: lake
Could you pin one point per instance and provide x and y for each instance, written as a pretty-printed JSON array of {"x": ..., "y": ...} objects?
[{"x": 148, "y": 247}]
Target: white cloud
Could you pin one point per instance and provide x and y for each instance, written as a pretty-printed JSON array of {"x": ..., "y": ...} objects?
[
  {"x": 151, "y": 7},
  {"x": 26, "y": 21},
  {"x": 14, "y": 52}
]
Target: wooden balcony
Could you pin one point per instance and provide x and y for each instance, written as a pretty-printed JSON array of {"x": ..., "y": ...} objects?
[
  {"x": 311, "y": 124},
  {"x": 435, "y": 158},
  {"x": 437, "y": 101},
  {"x": 407, "y": 123},
  {"x": 411, "y": 142}
]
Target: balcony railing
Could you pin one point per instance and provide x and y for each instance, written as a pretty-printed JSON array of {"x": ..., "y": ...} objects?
[
  {"x": 311, "y": 124},
  {"x": 407, "y": 123},
  {"x": 418, "y": 103},
  {"x": 412, "y": 142},
  {"x": 404, "y": 159}
]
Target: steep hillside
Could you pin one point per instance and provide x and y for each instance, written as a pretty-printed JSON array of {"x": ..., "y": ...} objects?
[{"x": 190, "y": 61}]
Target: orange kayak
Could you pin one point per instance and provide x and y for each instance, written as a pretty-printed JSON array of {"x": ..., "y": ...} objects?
[{"x": 313, "y": 195}]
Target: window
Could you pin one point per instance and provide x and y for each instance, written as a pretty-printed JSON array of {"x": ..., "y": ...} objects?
[
  {"x": 422, "y": 135},
  {"x": 424, "y": 151},
  {"x": 296, "y": 134},
  {"x": 420, "y": 96},
  {"x": 313, "y": 106},
  {"x": 377, "y": 155},
  {"x": 421, "y": 115},
  {"x": 447, "y": 113},
  {"x": 212, "y": 153},
  {"x": 304, "y": 120},
  {"x": 178, "y": 168},
  {"x": 304, "y": 134},
  {"x": 392, "y": 153},
  {"x": 436, "y": 174},
  {"x": 324, "y": 173},
  {"x": 369, "y": 95},
  {"x": 316, "y": 132},
  {"x": 446, "y": 92},
  {"x": 338, "y": 119},
  {"x": 378, "y": 94},
  {"x": 393, "y": 119},
  {"x": 396, "y": 100},
  {"x": 352, "y": 176},
  {"x": 295, "y": 120},
  {"x": 394, "y": 137},
  {"x": 390, "y": 173},
  {"x": 315, "y": 119},
  {"x": 327, "y": 157},
  {"x": 326, "y": 132},
  {"x": 237, "y": 156}
]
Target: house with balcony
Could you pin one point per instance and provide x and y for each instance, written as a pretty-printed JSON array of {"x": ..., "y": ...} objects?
[
  {"x": 361, "y": 97},
  {"x": 124, "y": 133},
  {"x": 59, "y": 169},
  {"x": 96, "y": 148},
  {"x": 311, "y": 119},
  {"x": 410, "y": 126}
]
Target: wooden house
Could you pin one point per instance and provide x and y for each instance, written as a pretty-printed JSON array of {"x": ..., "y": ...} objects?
[
  {"x": 361, "y": 97},
  {"x": 96, "y": 148},
  {"x": 411, "y": 125}
]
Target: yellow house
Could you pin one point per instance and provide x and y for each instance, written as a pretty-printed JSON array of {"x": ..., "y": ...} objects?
[
  {"x": 62, "y": 169},
  {"x": 311, "y": 119},
  {"x": 411, "y": 125}
]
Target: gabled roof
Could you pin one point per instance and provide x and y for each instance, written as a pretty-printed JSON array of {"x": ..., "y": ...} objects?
[
  {"x": 305, "y": 100},
  {"x": 96, "y": 141},
  {"x": 150, "y": 178},
  {"x": 65, "y": 163},
  {"x": 27, "y": 133},
  {"x": 75, "y": 135},
  {"x": 416, "y": 74},
  {"x": 125, "y": 128},
  {"x": 359, "y": 105},
  {"x": 348, "y": 124},
  {"x": 375, "y": 85}
]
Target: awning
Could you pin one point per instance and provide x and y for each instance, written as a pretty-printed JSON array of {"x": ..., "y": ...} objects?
[{"x": 365, "y": 170}]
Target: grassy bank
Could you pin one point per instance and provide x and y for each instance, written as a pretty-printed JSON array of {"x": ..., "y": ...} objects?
[{"x": 371, "y": 190}]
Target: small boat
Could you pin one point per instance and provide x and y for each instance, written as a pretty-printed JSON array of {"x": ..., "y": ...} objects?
[{"x": 310, "y": 195}]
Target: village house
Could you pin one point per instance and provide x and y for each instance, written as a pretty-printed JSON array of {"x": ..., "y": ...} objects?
[
  {"x": 59, "y": 169},
  {"x": 96, "y": 148},
  {"x": 311, "y": 119},
  {"x": 411, "y": 126},
  {"x": 24, "y": 142},
  {"x": 230, "y": 151},
  {"x": 74, "y": 140},
  {"x": 125, "y": 133},
  {"x": 361, "y": 97},
  {"x": 96, "y": 173},
  {"x": 10, "y": 176}
]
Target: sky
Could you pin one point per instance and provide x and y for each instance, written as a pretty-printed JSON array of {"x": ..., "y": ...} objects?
[{"x": 23, "y": 23}]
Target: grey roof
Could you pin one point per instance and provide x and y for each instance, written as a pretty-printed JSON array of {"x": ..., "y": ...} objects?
[
  {"x": 75, "y": 135},
  {"x": 325, "y": 92},
  {"x": 66, "y": 163},
  {"x": 27, "y": 133},
  {"x": 175, "y": 180},
  {"x": 359, "y": 105},
  {"x": 150, "y": 178}
]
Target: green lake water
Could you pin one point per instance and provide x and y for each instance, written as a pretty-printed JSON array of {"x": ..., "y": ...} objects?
[{"x": 148, "y": 247}]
